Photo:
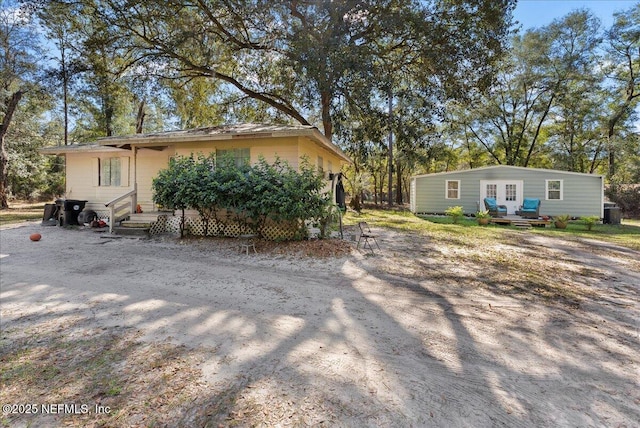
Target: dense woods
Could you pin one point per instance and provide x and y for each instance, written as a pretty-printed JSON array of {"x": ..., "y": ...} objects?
[{"x": 402, "y": 86}]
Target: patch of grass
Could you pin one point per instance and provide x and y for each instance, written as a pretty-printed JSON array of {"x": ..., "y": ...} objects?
[
  {"x": 468, "y": 232},
  {"x": 496, "y": 257},
  {"x": 19, "y": 212},
  {"x": 626, "y": 234}
]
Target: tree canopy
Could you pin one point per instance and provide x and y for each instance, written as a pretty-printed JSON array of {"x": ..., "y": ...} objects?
[{"x": 410, "y": 86}]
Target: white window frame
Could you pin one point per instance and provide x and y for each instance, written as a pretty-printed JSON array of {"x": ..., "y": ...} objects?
[
  {"x": 240, "y": 155},
  {"x": 546, "y": 190},
  {"x": 108, "y": 175},
  {"x": 446, "y": 189}
]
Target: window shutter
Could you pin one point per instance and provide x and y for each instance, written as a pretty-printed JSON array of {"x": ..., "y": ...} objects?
[
  {"x": 124, "y": 172},
  {"x": 95, "y": 171}
]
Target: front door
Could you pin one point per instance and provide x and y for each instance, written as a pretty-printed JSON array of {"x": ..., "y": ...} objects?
[{"x": 506, "y": 192}]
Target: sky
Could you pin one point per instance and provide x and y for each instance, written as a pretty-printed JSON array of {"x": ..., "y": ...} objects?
[{"x": 538, "y": 13}]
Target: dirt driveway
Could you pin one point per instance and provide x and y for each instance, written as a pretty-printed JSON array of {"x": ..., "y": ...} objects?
[{"x": 159, "y": 332}]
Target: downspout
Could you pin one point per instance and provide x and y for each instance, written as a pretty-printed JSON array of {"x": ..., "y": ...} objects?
[{"x": 134, "y": 198}]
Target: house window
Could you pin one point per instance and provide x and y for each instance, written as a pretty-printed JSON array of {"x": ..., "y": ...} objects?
[
  {"x": 554, "y": 190},
  {"x": 329, "y": 167},
  {"x": 320, "y": 164},
  {"x": 110, "y": 172},
  {"x": 453, "y": 189},
  {"x": 492, "y": 191},
  {"x": 240, "y": 157},
  {"x": 511, "y": 192}
]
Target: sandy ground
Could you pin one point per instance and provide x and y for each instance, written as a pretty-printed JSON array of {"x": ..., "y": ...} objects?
[{"x": 401, "y": 338}]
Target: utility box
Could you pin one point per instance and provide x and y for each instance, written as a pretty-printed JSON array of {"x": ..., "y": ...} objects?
[{"x": 612, "y": 214}]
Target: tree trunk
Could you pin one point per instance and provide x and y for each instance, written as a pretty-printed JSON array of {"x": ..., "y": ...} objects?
[
  {"x": 326, "y": 114},
  {"x": 12, "y": 105},
  {"x": 140, "y": 117},
  {"x": 375, "y": 189},
  {"x": 398, "y": 183},
  {"x": 65, "y": 93},
  {"x": 390, "y": 152}
]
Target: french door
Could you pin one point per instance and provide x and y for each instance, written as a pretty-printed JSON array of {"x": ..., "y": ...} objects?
[{"x": 506, "y": 192}]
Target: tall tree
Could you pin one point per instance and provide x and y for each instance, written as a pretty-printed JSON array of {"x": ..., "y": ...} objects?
[
  {"x": 623, "y": 54},
  {"x": 57, "y": 20},
  {"x": 18, "y": 46},
  {"x": 543, "y": 65},
  {"x": 575, "y": 117},
  {"x": 299, "y": 57}
]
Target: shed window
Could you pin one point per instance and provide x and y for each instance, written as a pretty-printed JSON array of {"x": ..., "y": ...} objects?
[
  {"x": 240, "y": 157},
  {"x": 453, "y": 189},
  {"x": 554, "y": 190},
  {"x": 492, "y": 191},
  {"x": 110, "y": 172}
]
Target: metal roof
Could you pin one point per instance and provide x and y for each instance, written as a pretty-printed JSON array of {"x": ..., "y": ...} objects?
[
  {"x": 223, "y": 132},
  {"x": 464, "y": 171}
]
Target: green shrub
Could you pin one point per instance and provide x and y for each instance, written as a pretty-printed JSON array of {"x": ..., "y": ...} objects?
[
  {"x": 246, "y": 194},
  {"x": 563, "y": 218},
  {"x": 589, "y": 221},
  {"x": 456, "y": 213}
]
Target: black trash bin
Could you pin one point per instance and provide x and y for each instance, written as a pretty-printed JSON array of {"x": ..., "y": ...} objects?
[
  {"x": 612, "y": 214},
  {"x": 50, "y": 216},
  {"x": 72, "y": 207}
]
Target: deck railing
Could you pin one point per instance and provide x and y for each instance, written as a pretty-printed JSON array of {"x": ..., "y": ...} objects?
[{"x": 123, "y": 210}]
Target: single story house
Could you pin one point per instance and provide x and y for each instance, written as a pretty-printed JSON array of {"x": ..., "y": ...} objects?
[
  {"x": 116, "y": 169},
  {"x": 560, "y": 192}
]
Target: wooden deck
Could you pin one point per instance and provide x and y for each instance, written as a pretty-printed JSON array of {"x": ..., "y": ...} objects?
[{"x": 514, "y": 220}]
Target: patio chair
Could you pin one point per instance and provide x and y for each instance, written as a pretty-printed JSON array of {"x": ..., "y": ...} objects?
[
  {"x": 494, "y": 209},
  {"x": 366, "y": 235},
  {"x": 530, "y": 208}
]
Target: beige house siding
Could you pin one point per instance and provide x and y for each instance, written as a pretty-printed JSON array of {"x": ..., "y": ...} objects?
[
  {"x": 330, "y": 162},
  {"x": 143, "y": 156},
  {"x": 285, "y": 148},
  {"x": 148, "y": 163},
  {"x": 82, "y": 177}
]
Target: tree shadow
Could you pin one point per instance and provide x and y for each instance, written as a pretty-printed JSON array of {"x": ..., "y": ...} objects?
[{"x": 348, "y": 344}]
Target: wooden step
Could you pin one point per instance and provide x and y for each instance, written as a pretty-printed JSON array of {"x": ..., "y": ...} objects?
[
  {"x": 521, "y": 224},
  {"x": 149, "y": 216},
  {"x": 135, "y": 224},
  {"x": 131, "y": 231}
]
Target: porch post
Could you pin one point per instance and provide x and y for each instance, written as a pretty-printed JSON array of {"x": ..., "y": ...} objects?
[{"x": 134, "y": 173}]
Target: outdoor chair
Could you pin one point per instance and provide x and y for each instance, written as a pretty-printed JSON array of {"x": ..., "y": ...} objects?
[
  {"x": 366, "y": 235},
  {"x": 494, "y": 209},
  {"x": 530, "y": 208}
]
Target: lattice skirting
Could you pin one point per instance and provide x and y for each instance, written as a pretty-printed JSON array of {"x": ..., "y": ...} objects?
[
  {"x": 195, "y": 226},
  {"x": 103, "y": 215}
]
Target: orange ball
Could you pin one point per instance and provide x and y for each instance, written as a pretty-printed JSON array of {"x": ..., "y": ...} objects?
[{"x": 35, "y": 236}]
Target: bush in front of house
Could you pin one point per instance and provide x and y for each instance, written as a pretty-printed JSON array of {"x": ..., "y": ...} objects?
[
  {"x": 590, "y": 221},
  {"x": 456, "y": 213},
  {"x": 225, "y": 192}
]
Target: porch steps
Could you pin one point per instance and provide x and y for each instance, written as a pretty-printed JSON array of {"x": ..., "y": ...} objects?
[
  {"x": 139, "y": 224},
  {"x": 521, "y": 224},
  {"x": 131, "y": 231}
]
